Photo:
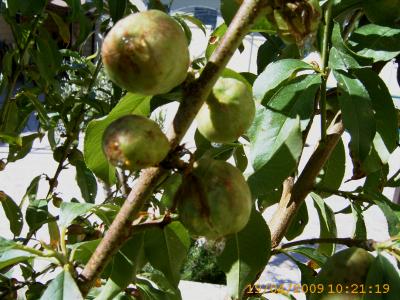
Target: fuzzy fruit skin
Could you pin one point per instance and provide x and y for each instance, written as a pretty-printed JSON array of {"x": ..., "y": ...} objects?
[
  {"x": 346, "y": 267},
  {"x": 214, "y": 200},
  {"x": 135, "y": 142},
  {"x": 228, "y": 112},
  {"x": 146, "y": 53}
]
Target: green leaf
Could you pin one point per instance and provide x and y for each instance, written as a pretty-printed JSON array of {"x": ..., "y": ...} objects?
[
  {"x": 9, "y": 119},
  {"x": 272, "y": 124},
  {"x": 26, "y": 8},
  {"x": 17, "y": 152},
  {"x": 275, "y": 135},
  {"x": 340, "y": 6},
  {"x": 268, "y": 52},
  {"x": 382, "y": 103},
  {"x": 340, "y": 45},
  {"x": 154, "y": 286},
  {"x": 117, "y": 9},
  {"x": 215, "y": 38},
  {"x": 382, "y": 12},
  {"x": 376, "y": 42},
  {"x": 34, "y": 291},
  {"x": 327, "y": 224},
  {"x": 13, "y": 213},
  {"x": 70, "y": 210},
  {"x": 229, "y": 8},
  {"x": 37, "y": 214},
  {"x": 124, "y": 267},
  {"x": 245, "y": 254},
  {"x": 63, "y": 28},
  {"x": 194, "y": 21},
  {"x": 170, "y": 187},
  {"x": 11, "y": 138},
  {"x": 54, "y": 233},
  {"x": 185, "y": 27},
  {"x": 157, "y": 4},
  {"x": 281, "y": 164},
  {"x": 386, "y": 206},
  {"x": 240, "y": 158},
  {"x": 376, "y": 181},
  {"x": 311, "y": 253},
  {"x": 173, "y": 241},
  {"x": 339, "y": 60},
  {"x": 84, "y": 250},
  {"x": 275, "y": 74},
  {"x": 93, "y": 151},
  {"x": 207, "y": 149},
  {"x": 382, "y": 276},
  {"x": 46, "y": 55},
  {"x": 6, "y": 244},
  {"x": 357, "y": 113},
  {"x": 298, "y": 224},
  {"x": 360, "y": 230},
  {"x": 42, "y": 114},
  {"x": 86, "y": 182},
  {"x": 14, "y": 256},
  {"x": 268, "y": 199},
  {"x": 75, "y": 6},
  {"x": 307, "y": 273},
  {"x": 85, "y": 28},
  {"x": 331, "y": 176},
  {"x": 107, "y": 212},
  {"x": 63, "y": 287},
  {"x": 31, "y": 191}
]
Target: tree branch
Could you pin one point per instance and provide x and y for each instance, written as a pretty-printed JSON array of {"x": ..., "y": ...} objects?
[
  {"x": 294, "y": 195},
  {"x": 194, "y": 96}
]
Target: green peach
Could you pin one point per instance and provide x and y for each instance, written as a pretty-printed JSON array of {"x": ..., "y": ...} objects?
[
  {"x": 214, "y": 200},
  {"x": 146, "y": 53},
  {"x": 135, "y": 142},
  {"x": 347, "y": 267},
  {"x": 228, "y": 112}
]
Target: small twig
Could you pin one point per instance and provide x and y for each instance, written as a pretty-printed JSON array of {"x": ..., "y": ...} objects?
[
  {"x": 122, "y": 179},
  {"x": 325, "y": 58},
  {"x": 152, "y": 224},
  {"x": 351, "y": 24},
  {"x": 369, "y": 244}
]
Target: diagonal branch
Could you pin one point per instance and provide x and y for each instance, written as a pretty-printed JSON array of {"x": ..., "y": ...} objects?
[
  {"x": 194, "y": 96},
  {"x": 369, "y": 244},
  {"x": 294, "y": 194}
]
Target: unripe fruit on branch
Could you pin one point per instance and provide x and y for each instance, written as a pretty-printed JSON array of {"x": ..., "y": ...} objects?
[
  {"x": 346, "y": 268},
  {"x": 135, "y": 142},
  {"x": 214, "y": 200},
  {"x": 228, "y": 112},
  {"x": 146, "y": 53}
]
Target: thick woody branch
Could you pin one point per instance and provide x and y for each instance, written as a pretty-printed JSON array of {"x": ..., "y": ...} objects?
[
  {"x": 294, "y": 194},
  {"x": 194, "y": 96}
]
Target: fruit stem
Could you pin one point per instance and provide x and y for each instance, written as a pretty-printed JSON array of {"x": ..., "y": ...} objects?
[{"x": 325, "y": 57}]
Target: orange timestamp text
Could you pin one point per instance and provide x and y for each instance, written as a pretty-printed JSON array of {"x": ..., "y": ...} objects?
[{"x": 318, "y": 288}]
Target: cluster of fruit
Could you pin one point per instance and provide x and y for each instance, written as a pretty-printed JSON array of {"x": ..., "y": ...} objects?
[{"x": 147, "y": 53}]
